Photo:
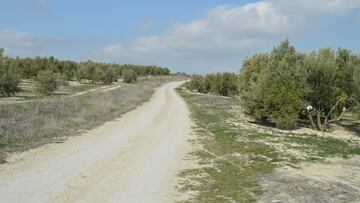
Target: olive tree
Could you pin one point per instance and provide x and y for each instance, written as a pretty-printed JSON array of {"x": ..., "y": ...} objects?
[
  {"x": 224, "y": 84},
  {"x": 46, "y": 82},
  {"x": 275, "y": 85},
  {"x": 129, "y": 76},
  {"x": 285, "y": 85},
  {"x": 9, "y": 83},
  {"x": 9, "y": 78},
  {"x": 333, "y": 79}
]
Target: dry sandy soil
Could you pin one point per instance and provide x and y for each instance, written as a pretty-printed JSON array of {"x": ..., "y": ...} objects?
[
  {"x": 132, "y": 159},
  {"x": 334, "y": 180}
]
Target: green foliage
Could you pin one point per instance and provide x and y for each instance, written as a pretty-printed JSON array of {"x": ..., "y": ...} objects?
[
  {"x": 221, "y": 176},
  {"x": 322, "y": 77},
  {"x": 251, "y": 68},
  {"x": 9, "y": 83},
  {"x": 356, "y": 82},
  {"x": 46, "y": 82},
  {"x": 101, "y": 73},
  {"x": 9, "y": 79},
  {"x": 129, "y": 76},
  {"x": 272, "y": 86},
  {"x": 12, "y": 70},
  {"x": 108, "y": 73},
  {"x": 283, "y": 85},
  {"x": 197, "y": 83},
  {"x": 224, "y": 84},
  {"x": 104, "y": 74},
  {"x": 69, "y": 69}
]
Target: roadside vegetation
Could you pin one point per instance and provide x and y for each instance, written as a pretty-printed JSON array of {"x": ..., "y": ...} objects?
[
  {"x": 224, "y": 84},
  {"x": 285, "y": 86},
  {"x": 50, "y": 73},
  {"x": 253, "y": 123},
  {"x": 30, "y": 124},
  {"x": 232, "y": 154},
  {"x": 33, "y": 110},
  {"x": 46, "y": 82}
]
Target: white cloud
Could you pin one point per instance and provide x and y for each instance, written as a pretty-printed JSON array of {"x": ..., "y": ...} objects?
[
  {"x": 26, "y": 44},
  {"x": 226, "y": 31},
  {"x": 222, "y": 32},
  {"x": 220, "y": 38},
  {"x": 21, "y": 43},
  {"x": 319, "y": 7}
]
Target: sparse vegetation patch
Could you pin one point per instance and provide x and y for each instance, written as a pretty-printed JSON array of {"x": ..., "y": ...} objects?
[
  {"x": 30, "y": 124},
  {"x": 232, "y": 157},
  {"x": 285, "y": 86}
]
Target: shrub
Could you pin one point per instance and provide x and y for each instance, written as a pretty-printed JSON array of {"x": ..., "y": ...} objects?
[
  {"x": 251, "y": 68},
  {"x": 285, "y": 85},
  {"x": 224, "y": 84},
  {"x": 356, "y": 82},
  {"x": 197, "y": 83},
  {"x": 274, "y": 90},
  {"x": 46, "y": 82},
  {"x": 332, "y": 78},
  {"x": 93, "y": 71},
  {"x": 129, "y": 76},
  {"x": 9, "y": 83},
  {"x": 110, "y": 76},
  {"x": 69, "y": 69},
  {"x": 9, "y": 79},
  {"x": 98, "y": 76}
]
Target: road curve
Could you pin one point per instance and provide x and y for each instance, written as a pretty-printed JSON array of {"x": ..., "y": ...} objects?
[{"x": 132, "y": 159}]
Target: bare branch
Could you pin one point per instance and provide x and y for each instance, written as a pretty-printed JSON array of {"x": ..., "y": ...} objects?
[
  {"x": 334, "y": 107},
  {"x": 337, "y": 119}
]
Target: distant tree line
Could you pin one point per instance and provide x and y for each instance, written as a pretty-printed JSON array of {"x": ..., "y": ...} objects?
[
  {"x": 285, "y": 85},
  {"x": 224, "y": 84},
  {"x": 12, "y": 70}
]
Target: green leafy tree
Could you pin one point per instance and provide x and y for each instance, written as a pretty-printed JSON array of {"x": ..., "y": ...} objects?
[
  {"x": 110, "y": 76},
  {"x": 332, "y": 79},
  {"x": 9, "y": 82},
  {"x": 197, "y": 84},
  {"x": 9, "y": 78},
  {"x": 129, "y": 76},
  {"x": 69, "y": 69},
  {"x": 229, "y": 84},
  {"x": 283, "y": 85},
  {"x": 46, "y": 82},
  {"x": 224, "y": 84},
  {"x": 276, "y": 93}
]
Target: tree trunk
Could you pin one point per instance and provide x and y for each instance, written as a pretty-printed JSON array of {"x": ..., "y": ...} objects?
[{"x": 311, "y": 120}]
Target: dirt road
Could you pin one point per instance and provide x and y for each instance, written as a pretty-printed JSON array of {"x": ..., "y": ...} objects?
[{"x": 132, "y": 159}]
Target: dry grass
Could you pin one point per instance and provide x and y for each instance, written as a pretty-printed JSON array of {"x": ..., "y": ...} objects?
[
  {"x": 27, "y": 125},
  {"x": 234, "y": 154},
  {"x": 28, "y": 91}
]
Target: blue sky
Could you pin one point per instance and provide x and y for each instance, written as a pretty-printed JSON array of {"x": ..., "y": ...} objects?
[{"x": 192, "y": 36}]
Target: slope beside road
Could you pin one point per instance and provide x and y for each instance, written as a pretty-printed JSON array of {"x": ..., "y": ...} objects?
[{"x": 132, "y": 159}]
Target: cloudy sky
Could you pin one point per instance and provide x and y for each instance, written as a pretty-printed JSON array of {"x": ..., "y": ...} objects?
[{"x": 193, "y": 36}]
